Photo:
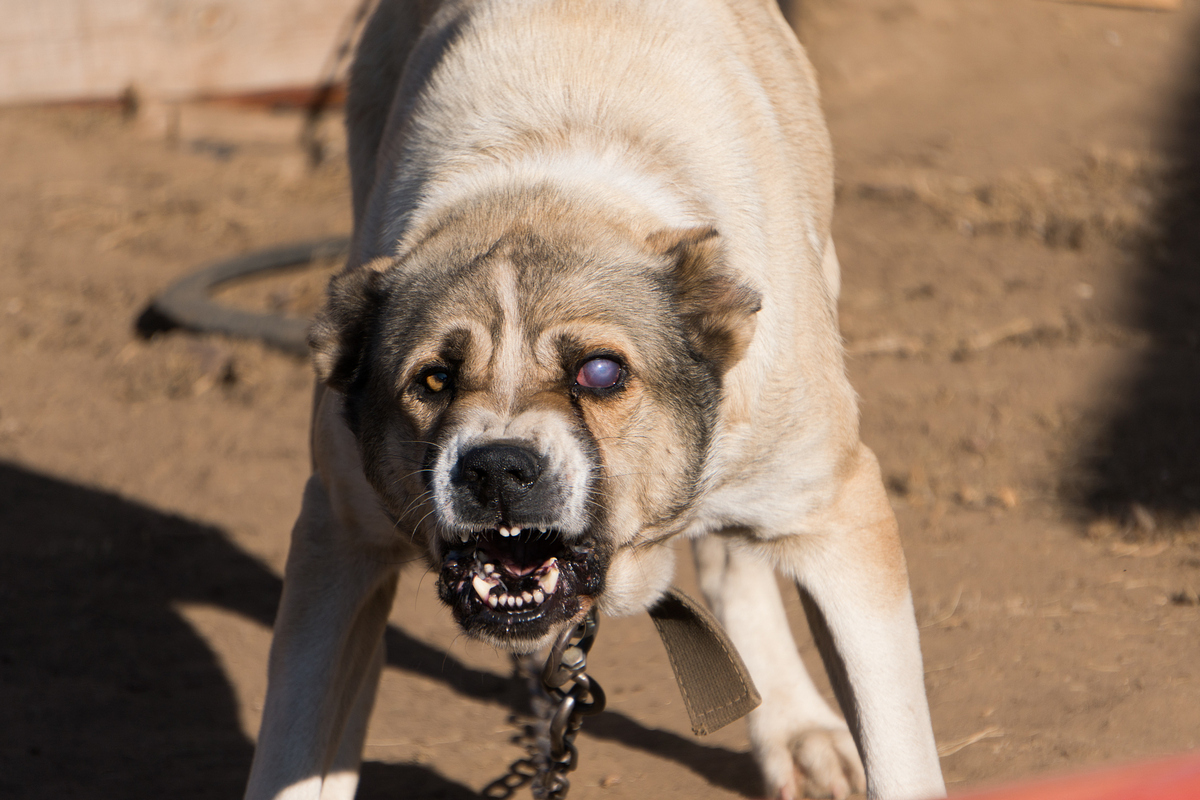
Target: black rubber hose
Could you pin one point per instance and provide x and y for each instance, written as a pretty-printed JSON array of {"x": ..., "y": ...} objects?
[{"x": 188, "y": 303}]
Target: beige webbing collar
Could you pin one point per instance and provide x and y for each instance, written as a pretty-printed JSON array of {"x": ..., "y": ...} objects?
[{"x": 716, "y": 686}]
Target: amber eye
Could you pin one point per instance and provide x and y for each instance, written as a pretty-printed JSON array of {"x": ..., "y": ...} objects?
[
  {"x": 599, "y": 373},
  {"x": 434, "y": 380}
]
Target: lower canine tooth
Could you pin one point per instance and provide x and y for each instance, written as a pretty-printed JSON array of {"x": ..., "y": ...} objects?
[{"x": 482, "y": 587}]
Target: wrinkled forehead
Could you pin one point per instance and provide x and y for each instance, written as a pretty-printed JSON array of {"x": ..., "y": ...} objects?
[{"x": 538, "y": 300}]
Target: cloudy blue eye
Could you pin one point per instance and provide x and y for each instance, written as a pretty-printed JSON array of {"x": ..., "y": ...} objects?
[{"x": 599, "y": 373}]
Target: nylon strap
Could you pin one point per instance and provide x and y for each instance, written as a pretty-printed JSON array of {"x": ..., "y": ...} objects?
[{"x": 716, "y": 686}]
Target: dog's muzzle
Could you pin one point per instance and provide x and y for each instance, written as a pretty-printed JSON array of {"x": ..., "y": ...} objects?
[
  {"x": 508, "y": 573},
  {"x": 503, "y": 484},
  {"x": 513, "y": 586}
]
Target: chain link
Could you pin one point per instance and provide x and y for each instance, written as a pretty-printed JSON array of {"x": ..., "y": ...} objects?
[{"x": 568, "y": 695}]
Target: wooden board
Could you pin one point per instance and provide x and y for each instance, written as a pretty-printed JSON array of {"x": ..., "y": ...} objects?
[
  {"x": 62, "y": 50},
  {"x": 1144, "y": 5}
]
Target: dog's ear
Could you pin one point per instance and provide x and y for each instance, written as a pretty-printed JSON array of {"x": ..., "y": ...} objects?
[
  {"x": 717, "y": 311},
  {"x": 338, "y": 336}
]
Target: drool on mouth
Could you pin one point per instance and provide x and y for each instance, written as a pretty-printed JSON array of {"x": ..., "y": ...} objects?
[{"x": 517, "y": 583}]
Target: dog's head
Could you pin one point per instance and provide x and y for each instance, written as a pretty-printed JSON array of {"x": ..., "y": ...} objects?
[{"x": 535, "y": 398}]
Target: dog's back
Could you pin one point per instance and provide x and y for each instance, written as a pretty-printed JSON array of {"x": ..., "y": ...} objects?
[{"x": 494, "y": 88}]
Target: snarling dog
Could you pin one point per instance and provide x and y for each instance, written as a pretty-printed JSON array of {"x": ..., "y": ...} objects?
[{"x": 591, "y": 307}]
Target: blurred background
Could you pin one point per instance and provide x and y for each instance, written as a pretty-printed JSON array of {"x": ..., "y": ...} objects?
[{"x": 1019, "y": 227}]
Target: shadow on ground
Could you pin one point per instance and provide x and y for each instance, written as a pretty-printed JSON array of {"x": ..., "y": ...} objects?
[
  {"x": 108, "y": 692},
  {"x": 1148, "y": 452}
]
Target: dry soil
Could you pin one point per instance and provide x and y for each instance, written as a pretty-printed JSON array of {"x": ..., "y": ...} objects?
[{"x": 1018, "y": 231}]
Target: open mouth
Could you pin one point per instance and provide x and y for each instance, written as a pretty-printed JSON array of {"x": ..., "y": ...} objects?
[{"x": 518, "y": 583}]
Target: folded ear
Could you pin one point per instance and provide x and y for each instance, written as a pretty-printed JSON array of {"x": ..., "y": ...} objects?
[
  {"x": 339, "y": 334},
  {"x": 717, "y": 310}
]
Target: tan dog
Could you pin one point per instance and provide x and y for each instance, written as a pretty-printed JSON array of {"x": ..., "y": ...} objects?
[{"x": 592, "y": 307}]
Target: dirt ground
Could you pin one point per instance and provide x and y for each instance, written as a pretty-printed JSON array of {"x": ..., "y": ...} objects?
[{"x": 1018, "y": 207}]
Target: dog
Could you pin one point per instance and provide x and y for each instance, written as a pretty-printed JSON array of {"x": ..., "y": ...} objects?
[{"x": 591, "y": 308}]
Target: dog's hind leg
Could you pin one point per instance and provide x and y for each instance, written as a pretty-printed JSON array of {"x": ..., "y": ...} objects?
[
  {"x": 852, "y": 578},
  {"x": 325, "y": 659},
  {"x": 803, "y": 748}
]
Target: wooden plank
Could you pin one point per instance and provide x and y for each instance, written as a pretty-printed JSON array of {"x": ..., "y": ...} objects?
[
  {"x": 1143, "y": 5},
  {"x": 55, "y": 50}
]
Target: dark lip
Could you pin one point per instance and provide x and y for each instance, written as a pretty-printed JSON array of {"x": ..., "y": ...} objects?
[{"x": 580, "y": 569}]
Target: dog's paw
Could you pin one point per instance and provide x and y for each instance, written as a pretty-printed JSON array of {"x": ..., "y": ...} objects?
[{"x": 816, "y": 763}]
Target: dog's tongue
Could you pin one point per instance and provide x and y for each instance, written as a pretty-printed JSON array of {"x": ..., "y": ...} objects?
[{"x": 518, "y": 570}]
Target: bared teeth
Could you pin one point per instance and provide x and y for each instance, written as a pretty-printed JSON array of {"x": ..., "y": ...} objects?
[
  {"x": 549, "y": 581},
  {"x": 506, "y": 600},
  {"x": 488, "y": 586}
]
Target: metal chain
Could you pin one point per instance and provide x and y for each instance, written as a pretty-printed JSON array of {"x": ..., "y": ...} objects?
[{"x": 567, "y": 695}]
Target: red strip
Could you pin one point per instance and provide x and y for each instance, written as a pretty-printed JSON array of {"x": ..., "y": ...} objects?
[{"x": 1175, "y": 778}]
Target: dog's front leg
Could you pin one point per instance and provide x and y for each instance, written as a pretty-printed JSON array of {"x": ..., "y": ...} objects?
[
  {"x": 802, "y": 747},
  {"x": 854, "y": 584},
  {"x": 325, "y": 659},
  {"x": 341, "y": 776}
]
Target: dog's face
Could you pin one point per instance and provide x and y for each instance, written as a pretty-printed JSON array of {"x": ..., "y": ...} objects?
[{"x": 537, "y": 405}]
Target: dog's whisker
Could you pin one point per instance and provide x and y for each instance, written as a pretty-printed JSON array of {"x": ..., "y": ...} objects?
[
  {"x": 417, "y": 526},
  {"x": 399, "y": 456},
  {"x": 421, "y": 580},
  {"x": 415, "y": 500},
  {"x": 446, "y": 656},
  {"x": 404, "y": 562},
  {"x": 654, "y": 542}
]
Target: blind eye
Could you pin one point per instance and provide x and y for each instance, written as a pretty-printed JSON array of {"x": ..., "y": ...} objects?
[{"x": 599, "y": 373}]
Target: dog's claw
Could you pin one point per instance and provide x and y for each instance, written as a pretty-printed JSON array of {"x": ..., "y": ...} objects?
[{"x": 825, "y": 763}]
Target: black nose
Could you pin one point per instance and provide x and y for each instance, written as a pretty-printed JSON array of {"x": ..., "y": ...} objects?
[{"x": 499, "y": 472}]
